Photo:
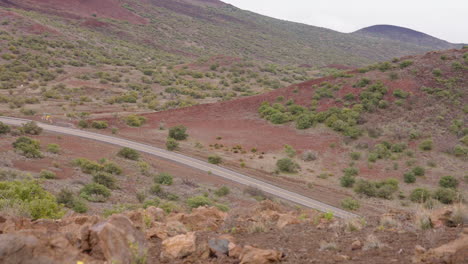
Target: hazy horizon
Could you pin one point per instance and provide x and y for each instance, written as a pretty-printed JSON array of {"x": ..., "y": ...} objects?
[{"x": 446, "y": 20}]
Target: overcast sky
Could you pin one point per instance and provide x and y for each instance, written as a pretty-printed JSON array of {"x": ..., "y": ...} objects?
[{"x": 445, "y": 19}]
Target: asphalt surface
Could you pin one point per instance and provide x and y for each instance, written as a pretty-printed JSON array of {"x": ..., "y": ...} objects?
[{"x": 193, "y": 163}]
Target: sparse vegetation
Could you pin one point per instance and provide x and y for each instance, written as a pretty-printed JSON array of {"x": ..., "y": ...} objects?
[
  {"x": 163, "y": 178},
  {"x": 129, "y": 153},
  {"x": 178, "y": 132},
  {"x": 214, "y": 159},
  {"x": 350, "y": 204},
  {"x": 287, "y": 165}
]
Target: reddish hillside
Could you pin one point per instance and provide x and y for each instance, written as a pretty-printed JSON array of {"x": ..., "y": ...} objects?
[
  {"x": 239, "y": 123},
  {"x": 78, "y": 8}
]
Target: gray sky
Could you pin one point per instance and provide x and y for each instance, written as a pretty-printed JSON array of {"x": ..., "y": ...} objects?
[{"x": 445, "y": 19}]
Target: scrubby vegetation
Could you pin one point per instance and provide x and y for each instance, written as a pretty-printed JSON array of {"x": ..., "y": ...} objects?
[
  {"x": 128, "y": 153},
  {"x": 29, "y": 199}
]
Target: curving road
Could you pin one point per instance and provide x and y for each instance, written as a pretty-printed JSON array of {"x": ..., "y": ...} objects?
[{"x": 193, "y": 163}]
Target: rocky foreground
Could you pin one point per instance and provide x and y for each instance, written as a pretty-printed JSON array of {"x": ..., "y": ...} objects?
[{"x": 266, "y": 233}]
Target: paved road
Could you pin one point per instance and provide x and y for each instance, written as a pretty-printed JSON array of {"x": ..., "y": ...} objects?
[{"x": 193, "y": 163}]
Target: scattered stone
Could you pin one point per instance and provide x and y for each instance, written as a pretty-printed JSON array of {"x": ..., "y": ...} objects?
[
  {"x": 356, "y": 245},
  {"x": 117, "y": 240},
  {"x": 252, "y": 255},
  {"x": 179, "y": 246}
]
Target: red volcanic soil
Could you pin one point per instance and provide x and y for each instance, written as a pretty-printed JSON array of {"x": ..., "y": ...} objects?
[{"x": 78, "y": 8}]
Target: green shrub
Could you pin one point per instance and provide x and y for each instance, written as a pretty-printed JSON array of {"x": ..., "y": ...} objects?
[
  {"x": 405, "y": 64},
  {"x": 128, "y": 153},
  {"x": 197, "y": 201},
  {"x": 445, "y": 195},
  {"x": 135, "y": 120},
  {"x": 53, "y": 148},
  {"x": 178, "y": 132},
  {"x": 279, "y": 118},
  {"x": 426, "y": 145},
  {"x": 112, "y": 168},
  {"x": 382, "y": 189},
  {"x": 95, "y": 192},
  {"x": 355, "y": 155},
  {"x": 156, "y": 189},
  {"x": 4, "y": 128},
  {"x": 365, "y": 187},
  {"x": 350, "y": 204},
  {"x": 351, "y": 171},
  {"x": 448, "y": 182},
  {"x": 87, "y": 166},
  {"x": 28, "y": 147},
  {"x": 419, "y": 171},
  {"x": 463, "y": 140},
  {"x": 163, "y": 178},
  {"x": 420, "y": 195},
  {"x": 99, "y": 124},
  {"x": 287, "y": 165},
  {"x": 222, "y": 191},
  {"x": 46, "y": 174},
  {"x": 31, "y": 128},
  {"x": 290, "y": 151},
  {"x": 70, "y": 200},
  {"x": 400, "y": 94},
  {"x": 83, "y": 124},
  {"x": 30, "y": 198},
  {"x": 347, "y": 181},
  {"x": 172, "y": 144},
  {"x": 214, "y": 159},
  {"x": 105, "y": 179},
  {"x": 409, "y": 177},
  {"x": 362, "y": 83}
]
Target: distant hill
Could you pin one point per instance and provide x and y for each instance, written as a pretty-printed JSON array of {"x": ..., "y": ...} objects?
[
  {"x": 406, "y": 35},
  {"x": 196, "y": 28}
]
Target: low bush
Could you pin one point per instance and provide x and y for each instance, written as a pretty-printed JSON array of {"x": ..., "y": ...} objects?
[
  {"x": 448, "y": 182},
  {"x": 287, "y": 165},
  {"x": 29, "y": 199},
  {"x": 46, "y": 174},
  {"x": 445, "y": 195},
  {"x": 347, "y": 181},
  {"x": 214, "y": 159},
  {"x": 70, "y": 200},
  {"x": 197, "y": 201},
  {"x": 178, "y": 132},
  {"x": 31, "y": 128},
  {"x": 172, "y": 144},
  {"x": 420, "y": 195},
  {"x": 418, "y": 171},
  {"x": 309, "y": 155},
  {"x": 351, "y": 171},
  {"x": 222, "y": 191},
  {"x": 128, "y": 153},
  {"x": 355, "y": 155},
  {"x": 87, "y": 166},
  {"x": 105, "y": 179},
  {"x": 405, "y": 64},
  {"x": 350, "y": 204},
  {"x": 4, "y": 128},
  {"x": 53, "y": 148},
  {"x": 426, "y": 145},
  {"x": 95, "y": 192},
  {"x": 135, "y": 120},
  {"x": 409, "y": 177},
  {"x": 400, "y": 94},
  {"x": 99, "y": 124},
  {"x": 163, "y": 178},
  {"x": 28, "y": 147},
  {"x": 382, "y": 189}
]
